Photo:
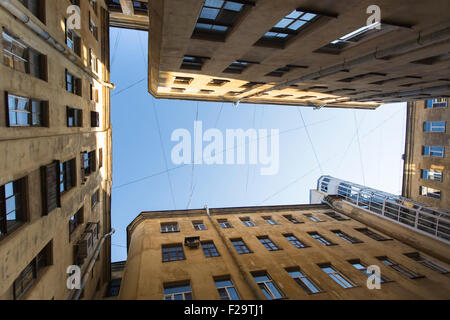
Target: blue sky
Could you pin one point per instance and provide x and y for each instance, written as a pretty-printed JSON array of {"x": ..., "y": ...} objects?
[{"x": 369, "y": 155}]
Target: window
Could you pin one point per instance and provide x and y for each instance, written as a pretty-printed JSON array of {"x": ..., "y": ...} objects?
[
  {"x": 199, "y": 225},
  {"x": 169, "y": 227},
  {"x": 292, "y": 219},
  {"x": 266, "y": 242},
  {"x": 252, "y": 85},
  {"x": 92, "y": 27},
  {"x": 430, "y": 192},
  {"x": 248, "y": 222},
  {"x": 193, "y": 62},
  {"x": 183, "y": 80},
  {"x": 321, "y": 239},
  {"x": 20, "y": 57},
  {"x": 303, "y": 281},
  {"x": 88, "y": 163},
  {"x": 73, "y": 84},
  {"x": 433, "y": 151},
  {"x": 434, "y": 126},
  {"x": 95, "y": 198},
  {"x": 436, "y": 103},
  {"x": 346, "y": 237},
  {"x": 338, "y": 277},
  {"x": 37, "y": 7},
  {"x": 267, "y": 285},
  {"x": 100, "y": 158},
  {"x": 226, "y": 289},
  {"x": 281, "y": 71},
  {"x": 237, "y": 67},
  {"x": 113, "y": 288},
  {"x": 95, "y": 119},
  {"x": 177, "y": 291},
  {"x": 73, "y": 41},
  {"x": 269, "y": 220},
  {"x": 399, "y": 268},
  {"x": 432, "y": 174},
  {"x": 240, "y": 246},
  {"x": 32, "y": 272},
  {"x": 335, "y": 216},
  {"x": 12, "y": 208},
  {"x": 371, "y": 234},
  {"x": 93, "y": 93},
  {"x": 173, "y": 252},
  {"x": 93, "y": 4},
  {"x": 217, "y": 18},
  {"x": 75, "y": 221},
  {"x": 288, "y": 27},
  {"x": 93, "y": 61},
  {"x": 209, "y": 249},
  {"x": 26, "y": 112},
  {"x": 426, "y": 262},
  {"x": 313, "y": 218},
  {"x": 224, "y": 223},
  {"x": 67, "y": 175},
  {"x": 295, "y": 241},
  {"x": 363, "y": 268},
  {"x": 217, "y": 82},
  {"x": 74, "y": 117}
]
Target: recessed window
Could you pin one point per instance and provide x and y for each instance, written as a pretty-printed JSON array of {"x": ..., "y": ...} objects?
[
  {"x": 433, "y": 151},
  {"x": 209, "y": 249},
  {"x": 73, "y": 40},
  {"x": 266, "y": 242},
  {"x": 240, "y": 246},
  {"x": 73, "y": 84},
  {"x": 93, "y": 27},
  {"x": 169, "y": 227},
  {"x": 172, "y": 252},
  {"x": 437, "y": 103},
  {"x": 295, "y": 241},
  {"x": 203, "y": 91},
  {"x": 434, "y": 126},
  {"x": 399, "y": 268},
  {"x": 217, "y": 18},
  {"x": 247, "y": 221},
  {"x": 26, "y": 112},
  {"x": 75, "y": 221},
  {"x": 67, "y": 175},
  {"x": 321, "y": 238},
  {"x": 177, "y": 89},
  {"x": 226, "y": 289},
  {"x": 183, "y": 80},
  {"x": 287, "y": 28},
  {"x": 346, "y": 237},
  {"x": 93, "y": 61},
  {"x": 237, "y": 66},
  {"x": 217, "y": 82},
  {"x": 224, "y": 223},
  {"x": 427, "y": 263},
  {"x": 431, "y": 174},
  {"x": 313, "y": 218},
  {"x": 74, "y": 117},
  {"x": 32, "y": 272},
  {"x": 37, "y": 7},
  {"x": 193, "y": 62},
  {"x": 199, "y": 225},
  {"x": 430, "y": 192},
  {"x": 95, "y": 198},
  {"x": 303, "y": 281},
  {"x": 177, "y": 291},
  {"x": 270, "y": 220},
  {"x": 357, "y": 264},
  {"x": 88, "y": 164},
  {"x": 371, "y": 234},
  {"x": 12, "y": 205},
  {"x": 337, "y": 276},
  {"x": 21, "y": 57},
  {"x": 252, "y": 85},
  {"x": 267, "y": 285},
  {"x": 95, "y": 119},
  {"x": 292, "y": 219},
  {"x": 283, "y": 70},
  {"x": 335, "y": 216}
]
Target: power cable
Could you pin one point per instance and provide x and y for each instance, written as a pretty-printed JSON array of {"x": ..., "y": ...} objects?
[{"x": 310, "y": 140}]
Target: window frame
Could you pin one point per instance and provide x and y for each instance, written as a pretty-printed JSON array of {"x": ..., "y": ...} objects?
[{"x": 166, "y": 252}]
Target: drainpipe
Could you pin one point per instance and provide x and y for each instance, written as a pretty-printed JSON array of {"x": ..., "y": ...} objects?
[
  {"x": 22, "y": 16},
  {"x": 245, "y": 274},
  {"x": 75, "y": 295}
]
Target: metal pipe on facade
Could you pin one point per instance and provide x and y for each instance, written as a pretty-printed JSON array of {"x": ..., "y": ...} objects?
[{"x": 245, "y": 274}]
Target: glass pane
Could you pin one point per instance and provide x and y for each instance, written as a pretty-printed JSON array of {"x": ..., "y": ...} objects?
[
  {"x": 177, "y": 289},
  {"x": 178, "y": 297},
  {"x": 308, "y": 16},
  {"x": 310, "y": 285},
  {"x": 224, "y": 283},
  {"x": 294, "y": 14},
  {"x": 9, "y": 189},
  {"x": 11, "y": 204},
  {"x": 296, "y": 25},
  {"x": 204, "y": 26},
  {"x": 233, "y": 293},
  {"x": 261, "y": 278},
  {"x": 220, "y": 28},
  {"x": 22, "y": 118},
  {"x": 209, "y": 13},
  {"x": 274, "y": 290},
  {"x": 233, "y": 6},
  {"x": 214, "y": 3},
  {"x": 265, "y": 291},
  {"x": 283, "y": 23}
]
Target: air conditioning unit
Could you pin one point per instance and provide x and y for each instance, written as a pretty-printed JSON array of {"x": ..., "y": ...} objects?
[
  {"x": 92, "y": 227},
  {"x": 85, "y": 245},
  {"x": 192, "y": 242}
]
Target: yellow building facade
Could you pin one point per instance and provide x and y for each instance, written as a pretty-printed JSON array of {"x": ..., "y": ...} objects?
[{"x": 279, "y": 252}]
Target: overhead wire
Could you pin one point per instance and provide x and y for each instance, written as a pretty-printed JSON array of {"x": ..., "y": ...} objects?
[{"x": 310, "y": 140}]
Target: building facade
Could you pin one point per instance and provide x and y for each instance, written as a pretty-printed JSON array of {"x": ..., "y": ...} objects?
[
  {"x": 299, "y": 52},
  {"x": 55, "y": 148},
  {"x": 128, "y": 14},
  {"x": 317, "y": 251},
  {"x": 427, "y": 159}
]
